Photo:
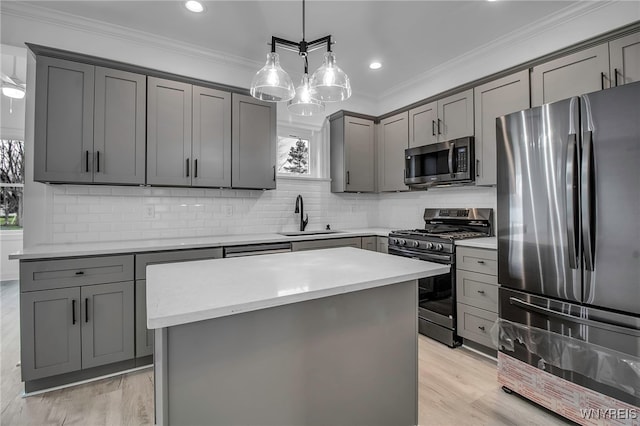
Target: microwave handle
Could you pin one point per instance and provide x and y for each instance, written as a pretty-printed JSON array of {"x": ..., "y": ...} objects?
[{"x": 452, "y": 146}]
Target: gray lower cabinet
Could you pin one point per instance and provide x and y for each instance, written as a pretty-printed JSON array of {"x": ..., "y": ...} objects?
[
  {"x": 325, "y": 244},
  {"x": 144, "y": 336},
  {"x": 107, "y": 317},
  {"x": 383, "y": 244},
  {"x": 571, "y": 75},
  {"x": 352, "y": 154},
  {"x": 476, "y": 294},
  {"x": 393, "y": 139},
  {"x": 50, "y": 332},
  {"x": 254, "y": 143},
  {"x": 625, "y": 59},
  {"x": 494, "y": 99},
  {"x": 370, "y": 243},
  {"x": 422, "y": 125},
  {"x": 90, "y": 124},
  {"x": 63, "y": 143}
]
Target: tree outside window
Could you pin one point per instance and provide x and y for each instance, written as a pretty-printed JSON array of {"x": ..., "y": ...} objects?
[
  {"x": 11, "y": 183},
  {"x": 293, "y": 156}
]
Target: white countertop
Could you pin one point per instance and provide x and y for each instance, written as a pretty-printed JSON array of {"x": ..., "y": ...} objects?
[
  {"x": 181, "y": 293},
  {"x": 486, "y": 243},
  {"x": 50, "y": 251}
]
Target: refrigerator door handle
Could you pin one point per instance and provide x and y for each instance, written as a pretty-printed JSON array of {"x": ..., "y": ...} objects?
[
  {"x": 571, "y": 199},
  {"x": 588, "y": 201},
  {"x": 567, "y": 317}
]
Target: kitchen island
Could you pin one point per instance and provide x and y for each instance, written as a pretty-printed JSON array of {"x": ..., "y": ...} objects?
[{"x": 318, "y": 337}]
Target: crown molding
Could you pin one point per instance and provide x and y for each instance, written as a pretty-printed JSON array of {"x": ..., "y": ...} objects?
[
  {"x": 519, "y": 36},
  {"x": 117, "y": 32}
]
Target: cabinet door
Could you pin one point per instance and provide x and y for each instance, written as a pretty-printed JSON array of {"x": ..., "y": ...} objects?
[
  {"x": 494, "y": 99},
  {"x": 392, "y": 141},
  {"x": 168, "y": 132},
  {"x": 253, "y": 143},
  {"x": 144, "y": 336},
  {"x": 107, "y": 323},
  {"x": 63, "y": 121},
  {"x": 50, "y": 332},
  {"x": 422, "y": 125},
  {"x": 572, "y": 75},
  {"x": 625, "y": 59},
  {"x": 370, "y": 243},
  {"x": 359, "y": 154},
  {"x": 211, "y": 145},
  {"x": 383, "y": 245},
  {"x": 455, "y": 116},
  {"x": 119, "y": 127}
]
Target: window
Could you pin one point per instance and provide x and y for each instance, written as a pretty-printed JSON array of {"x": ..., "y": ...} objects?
[
  {"x": 11, "y": 183},
  {"x": 293, "y": 156}
]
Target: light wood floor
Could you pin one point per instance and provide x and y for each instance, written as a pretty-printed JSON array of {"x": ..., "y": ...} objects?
[{"x": 456, "y": 387}]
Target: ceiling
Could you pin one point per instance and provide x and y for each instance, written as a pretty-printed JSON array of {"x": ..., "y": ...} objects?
[{"x": 408, "y": 37}]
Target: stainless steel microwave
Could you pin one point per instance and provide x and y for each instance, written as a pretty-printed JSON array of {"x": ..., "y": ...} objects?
[{"x": 443, "y": 163}]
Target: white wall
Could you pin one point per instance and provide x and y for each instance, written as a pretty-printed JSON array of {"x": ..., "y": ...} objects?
[{"x": 10, "y": 242}]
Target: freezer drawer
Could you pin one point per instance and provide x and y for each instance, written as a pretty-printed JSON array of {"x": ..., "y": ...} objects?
[{"x": 594, "y": 348}]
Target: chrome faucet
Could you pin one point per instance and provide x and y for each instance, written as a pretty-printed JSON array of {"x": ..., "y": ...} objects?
[{"x": 300, "y": 209}]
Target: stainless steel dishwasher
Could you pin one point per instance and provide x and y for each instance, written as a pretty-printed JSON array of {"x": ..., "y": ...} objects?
[{"x": 257, "y": 249}]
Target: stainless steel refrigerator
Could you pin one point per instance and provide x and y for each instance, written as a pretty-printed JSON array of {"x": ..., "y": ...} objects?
[{"x": 568, "y": 228}]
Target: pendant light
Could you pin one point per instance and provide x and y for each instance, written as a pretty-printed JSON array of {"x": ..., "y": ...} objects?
[
  {"x": 327, "y": 84},
  {"x": 14, "y": 88}
]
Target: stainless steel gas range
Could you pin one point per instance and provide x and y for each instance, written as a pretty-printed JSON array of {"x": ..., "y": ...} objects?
[{"x": 436, "y": 243}]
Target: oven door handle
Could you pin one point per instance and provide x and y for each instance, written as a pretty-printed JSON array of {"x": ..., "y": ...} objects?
[
  {"x": 561, "y": 315},
  {"x": 441, "y": 258}
]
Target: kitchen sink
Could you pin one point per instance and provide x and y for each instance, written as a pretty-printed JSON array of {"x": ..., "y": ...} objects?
[{"x": 298, "y": 233}]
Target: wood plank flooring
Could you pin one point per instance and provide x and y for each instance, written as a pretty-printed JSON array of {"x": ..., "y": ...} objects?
[{"x": 456, "y": 387}]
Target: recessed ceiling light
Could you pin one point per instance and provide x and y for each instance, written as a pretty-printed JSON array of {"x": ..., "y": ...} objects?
[
  {"x": 194, "y": 6},
  {"x": 375, "y": 65}
]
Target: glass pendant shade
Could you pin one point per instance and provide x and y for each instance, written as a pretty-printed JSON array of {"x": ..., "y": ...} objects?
[
  {"x": 272, "y": 83},
  {"x": 13, "y": 91},
  {"x": 303, "y": 102},
  {"x": 329, "y": 83}
]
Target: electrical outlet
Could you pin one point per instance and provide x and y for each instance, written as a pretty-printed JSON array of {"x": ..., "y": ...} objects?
[
  {"x": 149, "y": 212},
  {"x": 227, "y": 211}
]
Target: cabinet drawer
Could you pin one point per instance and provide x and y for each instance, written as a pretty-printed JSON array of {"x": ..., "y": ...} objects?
[
  {"x": 477, "y": 260},
  {"x": 475, "y": 324},
  {"x": 479, "y": 290},
  {"x": 324, "y": 244},
  {"x": 142, "y": 260},
  {"x": 60, "y": 273}
]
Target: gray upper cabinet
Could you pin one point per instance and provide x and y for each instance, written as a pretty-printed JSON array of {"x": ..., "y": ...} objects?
[
  {"x": 393, "y": 139},
  {"x": 455, "y": 116},
  {"x": 50, "y": 332},
  {"x": 211, "y": 146},
  {"x": 422, "y": 125},
  {"x": 572, "y": 75},
  {"x": 625, "y": 59},
  {"x": 107, "y": 312},
  {"x": 168, "y": 132},
  {"x": 119, "y": 127},
  {"x": 352, "y": 154},
  {"x": 64, "y": 121},
  {"x": 253, "y": 135},
  {"x": 494, "y": 99}
]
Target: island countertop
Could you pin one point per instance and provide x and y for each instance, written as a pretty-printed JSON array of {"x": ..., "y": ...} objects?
[{"x": 181, "y": 293}]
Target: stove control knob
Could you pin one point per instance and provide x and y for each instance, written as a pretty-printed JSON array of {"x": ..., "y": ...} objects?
[
  {"x": 439, "y": 247},
  {"x": 394, "y": 241},
  {"x": 415, "y": 244},
  {"x": 402, "y": 242},
  {"x": 430, "y": 246}
]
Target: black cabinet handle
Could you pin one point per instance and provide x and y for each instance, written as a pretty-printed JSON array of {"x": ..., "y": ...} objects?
[
  {"x": 481, "y": 262},
  {"x": 86, "y": 309},
  {"x": 602, "y": 80},
  {"x": 187, "y": 167},
  {"x": 433, "y": 127},
  {"x": 79, "y": 272},
  {"x": 73, "y": 311},
  {"x": 481, "y": 291},
  {"x": 347, "y": 177},
  {"x": 195, "y": 168},
  {"x": 274, "y": 173},
  {"x": 86, "y": 161},
  {"x": 481, "y": 327},
  {"x": 615, "y": 76},
  {"x": 439, "y": 131},
  {"x": 97, "y": 161},
  {"x": 477, "y": 167}
]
